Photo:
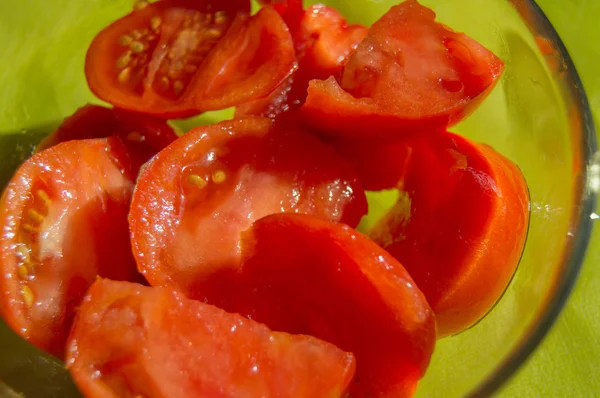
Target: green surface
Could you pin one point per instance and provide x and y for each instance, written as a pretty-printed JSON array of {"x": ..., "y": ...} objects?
[{"x": 42, "y": 81}]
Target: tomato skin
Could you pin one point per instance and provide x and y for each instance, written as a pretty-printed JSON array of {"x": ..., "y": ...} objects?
[
  {"x": 309, "y": 276},
  {"x": 190, "y": 57},
  {"x": 464, "y": 235},
  {"x": 129, "y": 340},
  {"x": 60, "y": 212},
  {"x": 194, "y": 198},
  {"x": 380, "y": 165},
  {"x": 93, "y": 121},
  {"x": 410, "y": 75},
  {"x": 323, "y": 42}
]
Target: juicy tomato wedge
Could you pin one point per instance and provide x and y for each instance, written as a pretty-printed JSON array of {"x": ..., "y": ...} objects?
[
  {"x": 463, "y": 232},
  {"x": 410, "y": 74},
  {"x": 177, "y": 58},
  {"x": 134, "y": 341},
  {"x": 93, "y": 121},
  {"x": 309, "y": 276},
  {"x": 194, "y": 198},
  {"x": 379, "y": 165},
  {"x": 324, "y": 41},
  {"x": 64, "y": 222}
]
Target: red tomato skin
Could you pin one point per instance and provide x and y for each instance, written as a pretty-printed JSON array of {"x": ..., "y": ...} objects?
[
  {"x": 466, "y": 230},
  {"x": 380, "y": 166},
  {"x": 61, "y": 211},
  {"x": 94, "y": 121},
  {"x": 130, "y": 340},
  {"x": 186, "y": 227},
  {"x": 305, "y": 275},
  {"x": 372, "y": 99},
  {"x": 323, "y": 43},
  {"x": 266, "y": 60}
]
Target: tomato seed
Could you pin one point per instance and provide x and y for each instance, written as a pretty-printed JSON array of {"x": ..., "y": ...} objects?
[
  {"x": 213, "y": 33},
  {"x": 29, "y": 228},
  {"x": 220, "y": 17},
  {"x": 23, "y": 252},
  {"x": 125, "y": 40},
  {"x": 140, "y": 5},
  {"x": 135, "y": 136},
  {"x": 123, "y": 61},
  {"x": 178, "y": 87},
  {"x": 27, "y": 295},
  {"x": 219, "y": 177},
  {"x": 196, "y": 180},
  {"x": 125, "y": 75},
  {"x": 137, "y": 47},
  {"x": 43, "y": 196},
  {"x": 155, "y": 23},
  {"x": 23, "y": 272},
  {"x": 35, "y": 216}
]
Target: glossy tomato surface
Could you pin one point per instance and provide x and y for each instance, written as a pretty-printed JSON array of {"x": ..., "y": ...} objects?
[
  {"x": 131, "y": 341},
  {"x": 194, "y": 199},
  {"x": 178, "y": 58},
  {"x": 147, "y": 133},
  {"x": 323, "y": 41},
  {"x": 410, "y": 75},
  {"x": 463, "y": 230},
  {"x": 64, "y": 222},
  {"x": 305, "y": 275}
]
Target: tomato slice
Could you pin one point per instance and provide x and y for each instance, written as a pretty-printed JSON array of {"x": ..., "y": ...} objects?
[
  {"x": 410, "y": 74},
  {"x": 379, "y": 165},
  {"x": 64, "y": 221},
  {"x": 177, "y": 58},
  {"x": 93, "y": 121},
  {"x": 323, "y": 41},
  {"x": 195, "y": 197},
  {"x": 130, "y": 341},
  {"x": 309, "y": 276},
  {"x": 463, "y": 236}
]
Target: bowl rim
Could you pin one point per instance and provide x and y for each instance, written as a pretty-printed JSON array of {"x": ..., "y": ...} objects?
[{"x": 580, "y": 228}]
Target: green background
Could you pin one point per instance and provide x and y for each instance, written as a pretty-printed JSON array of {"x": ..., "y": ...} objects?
[{"x": 564, "y": 366}]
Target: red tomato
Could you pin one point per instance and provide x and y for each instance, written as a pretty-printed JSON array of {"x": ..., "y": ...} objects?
[
  {"x": 463, "y": 237},
  {"x": 177, "y": 58},
  {"x": 195, "y": 197},
  {"x": 304, "y": 275},
  {"x": 135, "y": 341},
  {"x": 410, "y": 74},
  {"x": 93, "y": 121},
  {"x": 64, "y": 221},
  {"x": 379, "y": 165},
  {"x": 323, "y": 41}
]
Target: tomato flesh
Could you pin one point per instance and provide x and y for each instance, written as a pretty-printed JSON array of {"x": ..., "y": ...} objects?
[
  {"x": 148, "y": 134},
  {"x": 64, "y": 221},
  {"x": 409, "y": 75},
  {"x": 129, "y": 340},
  {"x": 178, "y": 58},
  {"x": 194, "y": 198},
  {"x": 323, "y": 42},
  {"x": 463, "y": 233},
  {"x": 309, "y": 276}
]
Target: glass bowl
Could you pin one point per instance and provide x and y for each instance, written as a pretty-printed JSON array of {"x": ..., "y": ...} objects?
[{"x": 538, "y": 116}]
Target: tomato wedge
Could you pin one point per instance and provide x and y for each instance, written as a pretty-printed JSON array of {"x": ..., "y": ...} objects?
[
  {"x": 194, "y": 198},
  {"x": 463, "y": 236},
  {"x": 309, "y": 276},
  {"x": 409, "y": 75},
  {"x": 64, "y": 221},
  {"x": 93, "y": 121},
  {"x": 179, "y": 58},
  {"x": 379, "y": 165},
  {"x": 323, "y": 41},
  {"x": 134, "y": 341}
]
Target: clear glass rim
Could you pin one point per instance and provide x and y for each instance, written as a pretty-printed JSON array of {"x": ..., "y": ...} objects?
[{"x": 584, "y": 205}]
